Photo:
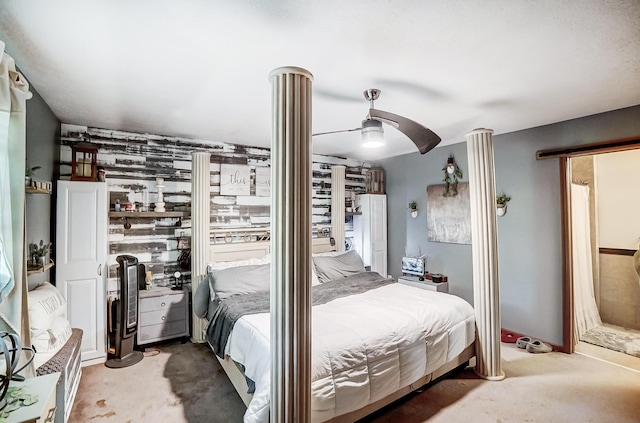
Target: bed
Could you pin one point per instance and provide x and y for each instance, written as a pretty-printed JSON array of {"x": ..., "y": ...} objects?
[{"x": 373, "y": 340}]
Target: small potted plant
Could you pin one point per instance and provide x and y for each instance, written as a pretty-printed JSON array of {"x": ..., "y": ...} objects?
[
  {"x": 502, "y": 201},
  {"x": 28, "y": 174},
  {"x": 38, "y": 254},
  {"x": 413, "y": 207}
]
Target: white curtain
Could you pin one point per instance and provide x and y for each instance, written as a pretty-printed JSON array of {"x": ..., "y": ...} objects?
[
  {"x": 586, "y": 315},
  {"x": 14, "y": 91}
]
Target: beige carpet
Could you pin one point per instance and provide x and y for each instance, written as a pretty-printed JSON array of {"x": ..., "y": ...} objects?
[{"x": 184, "y": 383}]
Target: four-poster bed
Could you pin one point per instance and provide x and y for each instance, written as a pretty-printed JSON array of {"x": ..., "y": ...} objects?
[{"x": 372, "y": 373}]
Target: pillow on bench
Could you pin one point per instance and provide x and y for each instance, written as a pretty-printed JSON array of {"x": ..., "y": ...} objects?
[{"x": 50, "y": 330}]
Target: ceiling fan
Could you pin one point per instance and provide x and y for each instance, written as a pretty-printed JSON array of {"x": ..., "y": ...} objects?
[{"x": 373, "y": 133}]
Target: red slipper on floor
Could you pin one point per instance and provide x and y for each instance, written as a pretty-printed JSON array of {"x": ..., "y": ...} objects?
[{"x": 508, "y": 337}]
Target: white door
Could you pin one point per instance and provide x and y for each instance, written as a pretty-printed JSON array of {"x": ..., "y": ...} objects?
[
  {"x": 370, "y": 231},
  {"x": 378, "y": 209},
  {"x": 81, "y": 258}
]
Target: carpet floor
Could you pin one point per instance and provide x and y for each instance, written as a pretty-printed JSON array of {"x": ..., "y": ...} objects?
[
  {"x": 614, "y": 338},
  {"x": 184, "y": 383}
]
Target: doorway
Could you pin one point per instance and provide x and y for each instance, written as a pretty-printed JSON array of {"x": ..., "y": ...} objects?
[
  {"x": 605, "y": 232},
  {"x": 564, "y": 156}
]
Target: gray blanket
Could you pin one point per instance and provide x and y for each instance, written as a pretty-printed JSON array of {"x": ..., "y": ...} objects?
[{"x": 231, "y": 309}]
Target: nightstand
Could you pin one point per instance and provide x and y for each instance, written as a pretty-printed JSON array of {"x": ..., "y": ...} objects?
[
  {"x": 42, "y": 411},
  {"x": 425, "y": 284},
  {"x": 164, "y": 314}
]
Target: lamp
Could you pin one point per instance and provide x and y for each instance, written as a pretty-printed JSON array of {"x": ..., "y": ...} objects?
[{"x": 372, "y": 133}]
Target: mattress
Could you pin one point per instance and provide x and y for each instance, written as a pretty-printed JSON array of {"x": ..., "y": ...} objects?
[{"x": 364, "y": 347}]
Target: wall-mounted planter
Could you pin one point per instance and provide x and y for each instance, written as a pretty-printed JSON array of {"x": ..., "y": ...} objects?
[
  {"x": 501, "y": 210},
  {"x": 413, "y": 208}
]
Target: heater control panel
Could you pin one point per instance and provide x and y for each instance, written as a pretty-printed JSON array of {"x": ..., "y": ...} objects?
[{"x": 164, "y": 314}]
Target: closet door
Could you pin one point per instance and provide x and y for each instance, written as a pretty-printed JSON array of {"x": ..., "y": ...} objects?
[
  {"x": 378, "y": 225},
  {"x": 81, "y": 258},
  {"x": 370, "y": 231}
]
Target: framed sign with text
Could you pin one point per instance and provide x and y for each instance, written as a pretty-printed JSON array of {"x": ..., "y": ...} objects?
[
  {"x": 263, "y": 181},
  {"x": 235, "y": 179}
]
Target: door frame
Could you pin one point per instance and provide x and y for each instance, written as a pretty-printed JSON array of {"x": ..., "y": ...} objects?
[{"x": 564, "y": 154}]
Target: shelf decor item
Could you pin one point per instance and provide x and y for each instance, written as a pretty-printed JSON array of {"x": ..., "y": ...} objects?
[
  {"x": 38, "y": 254},
  {"x": 10, "y": 352},
  {"x": 84, "y": 158},
  {"x": 159, "y": 205},
  {"x": 28, "y": 174},
  {"x": 374, "y": 180}
]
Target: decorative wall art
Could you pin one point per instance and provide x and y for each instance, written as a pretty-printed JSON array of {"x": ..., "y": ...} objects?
[
  {"x": 263, "y": 181},
  {"x": 235, "y": 179},
  {"x": 451, "y": 175},
  {"x": 449, "y": 218}
]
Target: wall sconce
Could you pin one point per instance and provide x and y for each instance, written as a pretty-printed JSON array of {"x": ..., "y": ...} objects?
[{"x": 413, "y": 208}]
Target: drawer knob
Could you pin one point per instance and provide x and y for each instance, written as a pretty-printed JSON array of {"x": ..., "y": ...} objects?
[
  {"x": 163, "y": 304},
  {"x": 164, "y": 317}
]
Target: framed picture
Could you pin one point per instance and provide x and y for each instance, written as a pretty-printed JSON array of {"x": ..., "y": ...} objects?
[
  {"x": 263, "y": 181},
  {"x": 449, "y": 218},
  {"x": 235, "y": 179}
]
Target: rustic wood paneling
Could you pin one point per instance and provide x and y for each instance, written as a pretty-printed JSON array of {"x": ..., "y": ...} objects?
[{"x": 133, "y": 162}]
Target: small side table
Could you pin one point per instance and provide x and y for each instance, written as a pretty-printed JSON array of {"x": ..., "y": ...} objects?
[
  {"x": 44, "y": 410},
  {"x": 164, "y": 314},
  {"x": 425, "y": 284}
]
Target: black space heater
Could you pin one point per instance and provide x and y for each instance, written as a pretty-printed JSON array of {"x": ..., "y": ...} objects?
[{"x": 123, "y": 317}]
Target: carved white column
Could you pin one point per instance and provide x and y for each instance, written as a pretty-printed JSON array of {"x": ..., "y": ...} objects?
[
  {"x": 486, "y": 280},
  {"x": 291, "y": 245},
  {"x": 200, "y": 215},
  {"x": 337, "y": 205}
]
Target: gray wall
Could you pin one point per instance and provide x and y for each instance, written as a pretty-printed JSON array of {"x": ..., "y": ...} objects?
[
  {"x": 42, "y": 150},
  {"x": 529, "y": 235}
]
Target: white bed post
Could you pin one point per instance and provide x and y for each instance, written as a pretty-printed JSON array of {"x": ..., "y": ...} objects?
[
  {"x": 291, "y": 245},
  {"x": 200, "y": 215},
  {"x": 486, "y": 280},
  {"x": 337, "y": 205}
]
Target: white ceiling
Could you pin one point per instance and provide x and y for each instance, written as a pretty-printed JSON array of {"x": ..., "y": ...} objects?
[{"x": 199, "y": 69}]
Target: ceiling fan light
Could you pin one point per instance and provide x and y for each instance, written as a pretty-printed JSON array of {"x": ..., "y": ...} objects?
[{"x": 372, "y": 134}]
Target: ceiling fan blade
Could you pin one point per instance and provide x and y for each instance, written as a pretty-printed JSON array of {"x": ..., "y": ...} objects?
[
  {"x": 336, "y": 132},
  {"x": 424, "y": 138}
]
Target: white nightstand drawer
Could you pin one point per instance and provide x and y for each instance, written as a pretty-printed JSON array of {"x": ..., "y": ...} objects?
[
  {"x": 428, "y": 285},
  {"x": 162, "y": 331},
  {"x": 175, "y": 312},
  {"x": 162, "y": 302}
]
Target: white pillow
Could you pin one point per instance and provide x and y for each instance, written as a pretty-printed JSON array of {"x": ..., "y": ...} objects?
[
  {"x": 334, "y": 267},
  {"x": 241, "y": 280},
  {"x": 54, "y": 337},
  {"x": 219, "y": 265},
  {"x": 45, "y": 304}
]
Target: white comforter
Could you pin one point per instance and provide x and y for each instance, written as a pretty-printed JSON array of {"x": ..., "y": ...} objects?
[{"x": 364, "y": 347}]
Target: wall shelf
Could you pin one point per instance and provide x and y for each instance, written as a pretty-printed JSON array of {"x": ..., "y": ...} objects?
[
  {"x": 149, "y": 214},
  {"x": 346, "y": 213},
  {"x": 33, "y": 190},
  {"x": 33, "y": 271}
]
